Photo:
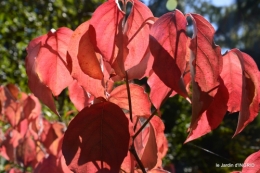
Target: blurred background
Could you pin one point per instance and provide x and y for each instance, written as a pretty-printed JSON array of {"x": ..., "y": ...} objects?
[{"x": 237, "y": 24}]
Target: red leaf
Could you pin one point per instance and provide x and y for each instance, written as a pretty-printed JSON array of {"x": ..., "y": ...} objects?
[
  {"x": 155, "y": 146},
  {"x": 63, "y": 166},
  {"x": 158, "y": 127},
  {"x": 14, "y": 90},
  {"x": 252, "y": 163},
  {"x": 232, "y": 77},
  {"x": 55, "y": 147},
  {"x": 111, "y": 34},
  {"x": 13, "y": 112},
  {"x": 208, "y": 59},
  {"x": 79, "y": 97},
  {"x": 91, "y": 85},
  {"x": 169, "y": 49},
  {"x": 81, "y": 48},
  {"x": 36, "y": 127},
  {"x": 139, "y": 44},
  {"x": 143, "y": 69},
  {"x": 12, "y": 108},
  {"x": 141, "y": 139},
  {"x": 15, "y": 170},
  {"x": 212, "y": 117},
  {"x": 149, "y": 156},
  {"x": 140, "y": 101},
  {"x": 104, "y": 28},
  {"x": 104, "y": 143},
  {"x": 200, "y": 100},
  {"x": 28, "y": 106},
  {"x": 59, "y": 128},
  {"x": 250, "y": 91},
  {"x": 121, "y": 51},
  {"x": 2, "y": 136},
  {"x": 23, "y": 127},
  {"x": 159, "y": 91},
  {"x": 48, "y": 134},
  {"x": 40, "y": 156},
  {"x": 49, "y": 164},
  {"x": 11, "y": 141},
  {"x": 158, "y": 171},
  {"x": 51, "y": 65},
  {"x": 52, "y": 136},
  {"x": 128, "y": 163},
  {"x": 40, "y": 90},
  {"x": 26, "y": 151},
  {"x": 164, "y": 147},
  {"x": 31, "y": 107}
]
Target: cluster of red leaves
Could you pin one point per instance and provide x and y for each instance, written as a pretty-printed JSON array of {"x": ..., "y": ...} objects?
[
  {"x": 30, "y": 140},
  {"x": 111, "y": 47}
]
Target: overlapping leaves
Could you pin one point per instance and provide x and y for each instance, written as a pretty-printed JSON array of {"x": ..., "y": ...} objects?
[
  {"x": 29, "y": 138},
  {"x": 90, "y": 60}
]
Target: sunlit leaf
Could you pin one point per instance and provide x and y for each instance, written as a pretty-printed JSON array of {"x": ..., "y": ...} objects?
[
  {"x": 40, "y": 90},
  {"x": 139, "y": 43},
  {"x": 143, "y": 69},
  {"x": 82, "y": 49},
  {"x": 208, "y": 58},
  {"x": 79, "y": 97},
  {"x": 250, "y": 91},
  {"x": 251, "y": 163},
  {"x": 51, "y": 65},
  {"x": 140, "y": 101},
  {"x": 104, "y": 26},
  {"x": 232, "y": 77}
]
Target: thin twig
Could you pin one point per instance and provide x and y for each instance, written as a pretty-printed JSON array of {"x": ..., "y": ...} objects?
[
  {"x": 129, "y": 97},
  {"x": 136, "y": 123},
  {"x": 204, "y": 149},
  {"x": 133, "y": 151},
  {"x": 145, "y": 123},
  {"x": 132, "y": 148},
  {"x": 154, "y": 112}
]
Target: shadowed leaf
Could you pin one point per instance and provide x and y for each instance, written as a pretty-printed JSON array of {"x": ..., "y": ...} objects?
[
  {"x": 169, "y": 49},
  {"x": 212, "y": 117},
  {"x": 97, "y": 139},
  {"x": 159, "y": 90}
]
